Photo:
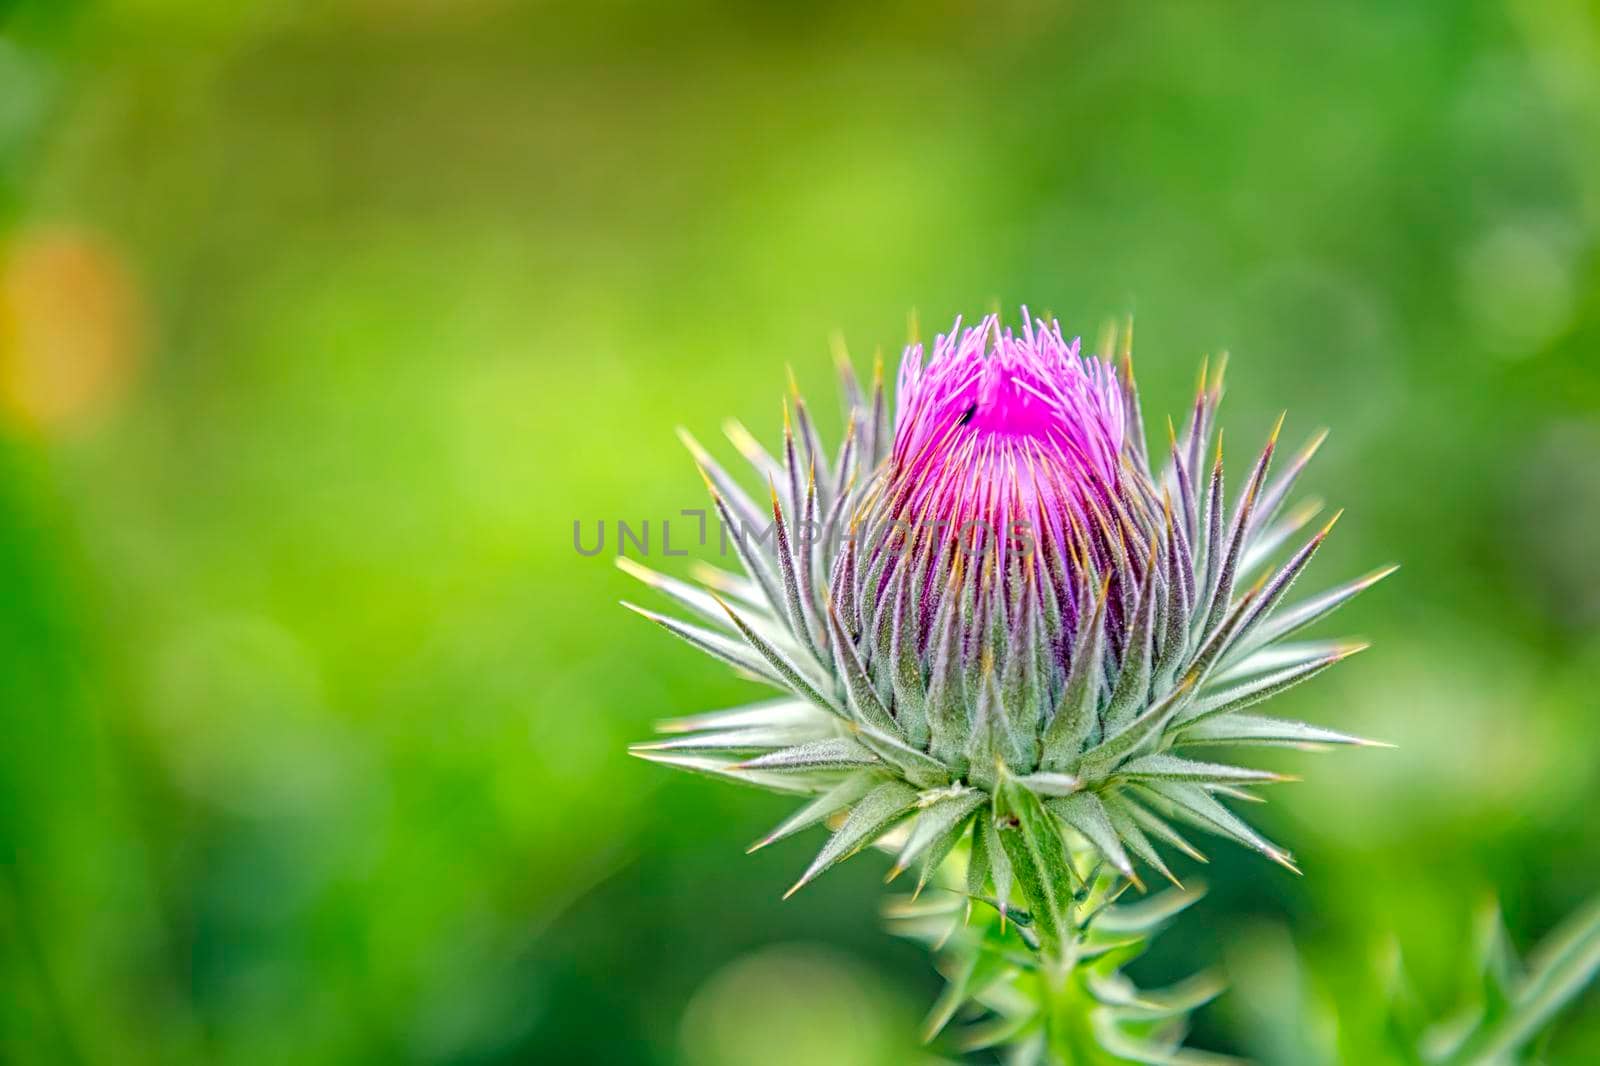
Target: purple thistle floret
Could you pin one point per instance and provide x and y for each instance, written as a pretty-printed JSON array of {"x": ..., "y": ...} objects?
[
  {"x": 997, "y": 621},
  {"x": 998, "y": 431},
  {"x": 1001, "y": 442}
]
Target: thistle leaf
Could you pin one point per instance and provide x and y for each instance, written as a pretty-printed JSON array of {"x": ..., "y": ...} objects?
[
  {"x": 1175, "y": 768},
  {"x": 875, "y": 814},
  {"x": 835, "y": 799},
  {"x": 1280, "y": 583},
  {"x": 767, "y": 713},
  {"x": 978, "y": 860},
  {"x": 1126, "y": 1048},
  {"x": 910, "y": 696},
  {"x": 864, "y": 701},
  {"x": 720, "y": 482},
  {"x": 947, "y": 703},
  {"x": 921, "y": 770},
  {"x": 1087, "y": 814},
  {"x": 1133, "y": 681},
  {"x": 944, "y": 819},
  {"x": 835, "y": 753},
  {"x": 1131, "y": 835},
  {"x": 1075, "y": 714},
  {"x": 976, "y": 975},
  {"x": 1195, "y": 804},
  {"x": 695, "y": 599},
  {"x": 797, "y": 784},
  {"x": 1293, "y": 619},
  {"x": 754, "y": 565},
  {"x": 1256, "y": 690},
  {"x": 1279, "y": 656},
  {"x": 713, "y": 644},
  {"x": 755, "y": 738},
  {"x": 795, "y": 597},
  {"x": 1249, "y": 729},
  {"x": 1561, "y": 966},
  {"x": 1159, "y": 827},
  {"x": 1038, "y": 858},
  {"x": 1099, "y": 761},
  {"x": 1273, "y": 495},
  {"x": 1146, "y": 915},
  {"x": 782, "y": 665},
  {"x": 1222, "y": 588}
]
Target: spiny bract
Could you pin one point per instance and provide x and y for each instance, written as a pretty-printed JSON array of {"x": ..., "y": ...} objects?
[{"x": 1002, "y": 620}]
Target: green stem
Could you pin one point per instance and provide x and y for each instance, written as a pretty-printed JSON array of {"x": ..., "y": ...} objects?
[{"x": 1066, "y": 1008}]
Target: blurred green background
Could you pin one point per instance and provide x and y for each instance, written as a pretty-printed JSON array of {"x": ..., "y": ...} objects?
[{"x": 322, "y": 323}]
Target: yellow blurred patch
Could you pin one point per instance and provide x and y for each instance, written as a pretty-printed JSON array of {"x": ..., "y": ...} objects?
[{"x": 71, "y": 329}]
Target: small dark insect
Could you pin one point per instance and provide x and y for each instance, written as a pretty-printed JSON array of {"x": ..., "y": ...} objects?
[{"x": 966, "y": 416}]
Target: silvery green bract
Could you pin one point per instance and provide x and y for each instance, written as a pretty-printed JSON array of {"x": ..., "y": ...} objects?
[{"x": 1007, "y": 635}]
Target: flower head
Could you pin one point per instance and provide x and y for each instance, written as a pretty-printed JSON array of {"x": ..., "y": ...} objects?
[
  {"x": 998, "y": 430},
  {"x": 1000, "y": 624}
]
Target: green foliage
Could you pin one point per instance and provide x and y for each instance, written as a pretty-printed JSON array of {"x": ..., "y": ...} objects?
[{"x": 313, "y": 715}]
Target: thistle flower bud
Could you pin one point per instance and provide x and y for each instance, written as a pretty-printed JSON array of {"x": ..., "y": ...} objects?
[{"x": 1002, "y": 627}]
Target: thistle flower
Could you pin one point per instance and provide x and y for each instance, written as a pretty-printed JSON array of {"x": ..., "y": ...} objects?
[{"x": 1001, "y": 630}]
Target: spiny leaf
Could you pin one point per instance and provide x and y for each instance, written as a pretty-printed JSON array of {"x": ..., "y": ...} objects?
[
  {"x": 1265, "y": 543},
  {"x": 797, "y": 784},
  {"x": 781, "y": 664},
  {"x": 835, "y": 753},
  {"x": 1293, "y": 619},
  {"x": 870, "y": 818},
  {"x": 864, "y": 700},
  {"x": 997, "y": 1030},
  {"x": 696, "y": 599},
  {"x": 1193, "y": 802},
  {"x": 1159, "y": 827},
  {"x": 836, "y": 798},
  {"x": 1249, "y": 693},
  {"x": 1075, "y": 714},
  {"x": 1148, "y": 914},
  {"x": 1278, "y": 656},
  {"x": 977, "y": 973},
  {"x": 910, "y": 695},
  {"x": 1236, "y": 728},
  {"x": 922, "y": 770},
  {"x": 1280, "y": 583},
  {"x": 713, "y": 644},
  {"x": 795, "y": 597},
  {"x": 947, "y": 704},
  {"x": 978, "y": 860},
  {"x": 769, "y": 713},
  {"x": 1144, "y": 1004},
  {"x": 1103, "y": 758},
  {"x": 1133, "y": 681},
  {"x": 1001, "y": 872},
  {"x": 1038, "y": 858},
  {"x": 1560, "y": 967},
  {"x": 1175, "y": 768},
  {"x": 1128, "y": 830},
  {"x": 1128, "y": 1048},
  {"x": 1222, "y": 589},
  {"x": 946, "y": 817},
  {"x": 753, "y": 738},
  {"x": 1019, "y": 679},
  {"x": 1087, "y": 814},
  {"x": 719, "y": 481},
  {"x": 754, "y": 564},
  {"x": 985, "y": 747},
  {"x": 1273, "y": 495}
]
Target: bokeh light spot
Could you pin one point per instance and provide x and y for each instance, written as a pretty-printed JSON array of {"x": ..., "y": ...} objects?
[{"x": 71, "y": 328}]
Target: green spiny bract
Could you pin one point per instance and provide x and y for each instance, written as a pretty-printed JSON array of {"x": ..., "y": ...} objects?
[{"x": 999, "y": 627}]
